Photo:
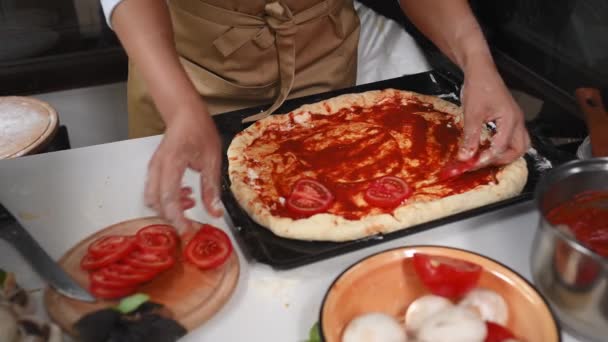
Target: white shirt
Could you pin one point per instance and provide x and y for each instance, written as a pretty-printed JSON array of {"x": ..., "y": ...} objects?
[{"x": 386, "y": 50}]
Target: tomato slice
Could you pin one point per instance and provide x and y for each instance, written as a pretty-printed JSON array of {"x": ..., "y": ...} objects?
[
  {"x": 99, "y": 278},
  {"x": 447, "y": 277},
  {"x": 109, "y": 293},
  {"x": 90, "y": 262},
  {"x": 109, "y": 244},
  {"x": 157, "y": 238},
  {"x": 209, "y": 248},
  {"x": 457, "y": 167},
  {"x": 309, "y": 197},
  {"x": 127, "y": 273},
  {"x": 497, "y": 333},
  {"x": 150, "y": 261},
  {"x": 387, "y": 192}
]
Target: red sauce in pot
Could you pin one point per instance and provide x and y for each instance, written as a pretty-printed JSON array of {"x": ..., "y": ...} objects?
[{"x": 587, "y": 217}]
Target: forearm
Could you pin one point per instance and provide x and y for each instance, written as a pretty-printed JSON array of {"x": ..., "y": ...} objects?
[
  {"x": 144, "y": 29},
  {"x": 451, "y": 25}
]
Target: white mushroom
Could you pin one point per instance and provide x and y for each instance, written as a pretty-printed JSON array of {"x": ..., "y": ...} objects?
[
  {"x": 454, "y": 324},
  {"x": 9, "y": 329},
  {"x": 489, "y": 305},
  {"x": 422, "y": 309},
  {"x": 374, "y": 327}
]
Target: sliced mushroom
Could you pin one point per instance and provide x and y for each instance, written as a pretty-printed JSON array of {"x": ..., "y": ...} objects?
[
  {"x": 455, "y": 324},
  {"x": 489, "y": 305},
  {"x": 374, "y": 327},
  {"x": 422, "y": 309}
]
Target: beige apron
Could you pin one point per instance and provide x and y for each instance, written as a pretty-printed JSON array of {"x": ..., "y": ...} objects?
[{"x": 243, "y": 53}]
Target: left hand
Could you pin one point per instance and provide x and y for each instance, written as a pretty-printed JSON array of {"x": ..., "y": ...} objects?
[{"x": 486, "y": 99}]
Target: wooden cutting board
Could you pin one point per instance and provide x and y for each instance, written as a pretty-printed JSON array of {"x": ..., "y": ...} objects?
[
  {"x": 26, "y": 125},
  {"x": 192, "y": 295}
]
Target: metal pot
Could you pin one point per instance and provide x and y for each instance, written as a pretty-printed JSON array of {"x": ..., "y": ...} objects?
[{"x": 573, "y": 278}]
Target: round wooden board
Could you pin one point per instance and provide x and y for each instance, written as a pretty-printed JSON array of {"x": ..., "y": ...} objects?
[
  {"x": 192, "y": 295},
  {"x": 27, "y": 125}
]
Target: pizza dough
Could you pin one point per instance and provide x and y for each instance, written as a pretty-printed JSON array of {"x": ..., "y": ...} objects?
[{"x": 349, "y": 141}]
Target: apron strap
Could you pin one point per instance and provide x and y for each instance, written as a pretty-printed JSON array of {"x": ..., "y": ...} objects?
[{"x": 278, "y": 25}]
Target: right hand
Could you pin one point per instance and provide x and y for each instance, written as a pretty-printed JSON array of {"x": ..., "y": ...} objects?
[{"x": 190, "y": 141}]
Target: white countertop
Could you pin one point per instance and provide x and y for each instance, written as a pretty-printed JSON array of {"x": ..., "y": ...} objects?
[{"x": 65, "y": 196}]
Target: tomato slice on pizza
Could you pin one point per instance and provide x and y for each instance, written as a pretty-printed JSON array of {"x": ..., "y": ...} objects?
[
  {"x": 309, "y": 197},
  {"x": 387, "y": 192}
]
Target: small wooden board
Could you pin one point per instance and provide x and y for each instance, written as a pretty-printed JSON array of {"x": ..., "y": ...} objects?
[
  {"x": 27, "y": 125},
  {"x": 192, "y": 295}
]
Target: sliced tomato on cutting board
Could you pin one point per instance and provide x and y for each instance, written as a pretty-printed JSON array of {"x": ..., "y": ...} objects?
[
  {"x": 115, "y": 253},
  {"x": 192, "y": 295},
  {"x": 446, "y": 277},
  {"x": 109, "y": 245},
  {"x": 99, "y": 278},
  {"x": 156, "y": 262},
  {"x": 309, "y": 197},
  {"x": 209, "y": 248},
  {"x": 157, "y": 238},
  {"x": 386, "y": 192},
  {"x": 127, "y": 273}
]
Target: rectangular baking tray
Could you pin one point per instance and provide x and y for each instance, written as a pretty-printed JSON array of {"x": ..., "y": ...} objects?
[{"x": 262, "y": 245}]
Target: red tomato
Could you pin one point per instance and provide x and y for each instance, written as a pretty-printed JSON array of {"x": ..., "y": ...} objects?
[
  {"x": 309, "y": 197},
  {"x": 98, "y": 278},
  {"x": 387, "y": 192},
  {"x": 150, "y": 261},
  {"x": 209, "y": 248},
  {"x": 108, "y": 293},
  {"x": 445, "y": 276},
  {"x": 127, "y": 273},
  {"x": 456, "y": 167},
  {"x": 157, "y": 238},
  {"x": 109, "y": 244},
  {"x": 90, "y": 262},
  {"x": 497, "y": 333}
]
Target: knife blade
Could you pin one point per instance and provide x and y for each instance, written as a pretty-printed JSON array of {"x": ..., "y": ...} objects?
[{"x": 12, "y": 231}]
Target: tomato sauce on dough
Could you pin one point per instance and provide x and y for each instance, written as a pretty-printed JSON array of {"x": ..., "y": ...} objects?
[
  {"x": 348, "y": 150},
  {"x": 587, "y": 217}
]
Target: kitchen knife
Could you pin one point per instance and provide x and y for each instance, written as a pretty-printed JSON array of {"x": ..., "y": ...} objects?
[{"x": 12, "y": 231}]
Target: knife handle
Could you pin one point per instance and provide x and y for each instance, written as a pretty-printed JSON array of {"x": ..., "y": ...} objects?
[{"x": 596, "y": 117}]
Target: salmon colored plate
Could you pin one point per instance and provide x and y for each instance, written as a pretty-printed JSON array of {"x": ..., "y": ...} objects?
[
  {"x": 192, "y": 295},
  {"x": 387, "y": 283}
]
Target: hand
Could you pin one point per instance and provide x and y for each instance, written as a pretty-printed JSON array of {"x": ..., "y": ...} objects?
[
  {"x": 487, "y": 99},
  {"x": 190, "y": 141}
]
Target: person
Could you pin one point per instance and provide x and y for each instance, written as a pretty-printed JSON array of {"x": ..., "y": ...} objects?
[{"x": 193, "y": 58}]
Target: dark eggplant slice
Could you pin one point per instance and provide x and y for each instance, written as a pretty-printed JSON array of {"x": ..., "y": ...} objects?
[
  {"x": 149, "y": 328},
  {"x": 149, "y": 322},
  {"x": 97, "y": 326}
]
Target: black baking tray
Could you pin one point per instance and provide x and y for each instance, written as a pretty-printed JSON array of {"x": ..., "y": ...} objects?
[{"x": 262, "y": 245}]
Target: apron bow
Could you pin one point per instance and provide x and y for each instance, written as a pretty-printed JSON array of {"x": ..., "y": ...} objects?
[{"x": 278, "y": 25}]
